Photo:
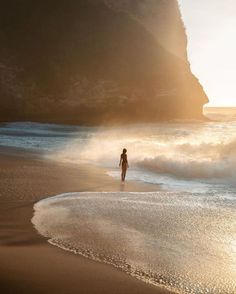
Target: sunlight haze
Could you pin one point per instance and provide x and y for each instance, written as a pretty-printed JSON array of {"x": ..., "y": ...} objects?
[{"x": 211, "y": 30}]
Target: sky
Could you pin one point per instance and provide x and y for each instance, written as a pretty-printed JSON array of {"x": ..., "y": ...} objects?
[{"x": 211, "y": 31}]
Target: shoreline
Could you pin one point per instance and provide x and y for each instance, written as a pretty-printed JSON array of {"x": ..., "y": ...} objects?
[{"x": 29, "y": 264}]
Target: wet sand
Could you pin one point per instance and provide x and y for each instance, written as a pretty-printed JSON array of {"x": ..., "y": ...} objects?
[{"x": 29, "y": 264}]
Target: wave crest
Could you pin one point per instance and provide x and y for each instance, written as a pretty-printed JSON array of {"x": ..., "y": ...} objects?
[{"x": 191, "y": 161}]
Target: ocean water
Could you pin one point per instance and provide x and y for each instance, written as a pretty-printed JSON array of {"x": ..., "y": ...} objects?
[
  {"x": 183, "y": 241},
  {"x": 193, "y": 156},
  {"x": 182, "y": 237}
]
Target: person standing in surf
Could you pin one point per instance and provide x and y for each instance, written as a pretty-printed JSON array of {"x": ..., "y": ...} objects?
[{"x": 124, "y": 164}]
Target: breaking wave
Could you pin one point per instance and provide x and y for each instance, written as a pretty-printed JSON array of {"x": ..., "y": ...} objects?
[
  {"x": 205, "y": 161},
  {"x": 170, "y": 154},
  {"x": 203, "y": 152}
]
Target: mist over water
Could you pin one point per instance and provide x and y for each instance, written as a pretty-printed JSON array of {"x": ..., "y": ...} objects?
[
  {"x": 193, "y": 156},
  {"x": 182, "y": 237},
  {"x": 197, "y": 155}
]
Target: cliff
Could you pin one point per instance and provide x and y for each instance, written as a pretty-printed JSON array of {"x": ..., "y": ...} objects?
[{"x": 95, "y": 61}]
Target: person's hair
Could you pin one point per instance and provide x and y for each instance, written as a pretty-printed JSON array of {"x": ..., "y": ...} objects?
[{"x": 124, "y": 150}]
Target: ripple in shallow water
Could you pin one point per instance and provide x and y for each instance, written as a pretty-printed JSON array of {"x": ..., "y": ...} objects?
[{"x": 183, "y": 241}]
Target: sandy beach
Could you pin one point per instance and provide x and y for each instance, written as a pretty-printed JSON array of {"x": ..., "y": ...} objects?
[
  {"x": 117, "y": 147},
  {"x": 28, "y": 263}
]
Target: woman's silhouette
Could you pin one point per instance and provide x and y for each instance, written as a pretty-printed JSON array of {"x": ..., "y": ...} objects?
[{"x": 124, "y": 164}]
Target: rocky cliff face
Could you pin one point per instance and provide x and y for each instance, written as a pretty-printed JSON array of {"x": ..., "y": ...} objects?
[{"x": 95, "y": 61}]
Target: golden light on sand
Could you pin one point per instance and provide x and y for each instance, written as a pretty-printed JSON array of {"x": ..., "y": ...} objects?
[{"x": 211, "y": 30}]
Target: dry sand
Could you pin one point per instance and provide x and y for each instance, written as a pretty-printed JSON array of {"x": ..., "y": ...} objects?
[{"x": 28, "y": 264}]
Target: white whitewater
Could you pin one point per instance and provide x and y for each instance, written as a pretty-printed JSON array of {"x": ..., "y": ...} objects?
[
  {"x": 185, "y": 242},
  {"x": 183, "y": 238},
  {"x": 193, "y": 156}
]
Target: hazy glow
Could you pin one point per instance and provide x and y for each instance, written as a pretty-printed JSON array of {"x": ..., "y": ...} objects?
[{"x": 211, "y": 30}]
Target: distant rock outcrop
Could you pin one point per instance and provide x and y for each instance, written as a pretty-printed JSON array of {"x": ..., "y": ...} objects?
[{"x": 95, "y": 61}]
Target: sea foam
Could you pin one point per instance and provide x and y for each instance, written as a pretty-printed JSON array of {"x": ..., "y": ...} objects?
[
  {"x": 182, "y": 241},
  {"x": 198, "y": 155}
]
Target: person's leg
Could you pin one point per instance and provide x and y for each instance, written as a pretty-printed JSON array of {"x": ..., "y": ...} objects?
[
  {"x": 123, "y": 173},
  {"x": 125, "y": 169}
]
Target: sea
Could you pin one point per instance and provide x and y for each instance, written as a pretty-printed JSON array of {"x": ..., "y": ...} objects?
[{"x": 181, "y": 237}]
